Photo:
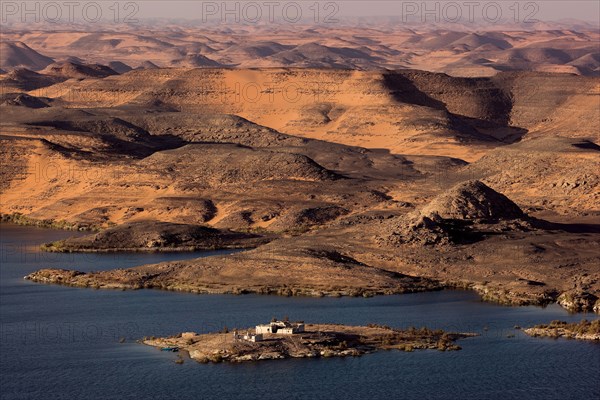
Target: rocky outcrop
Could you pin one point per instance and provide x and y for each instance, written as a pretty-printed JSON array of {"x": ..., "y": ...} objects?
[
  {"x": 70, "y": 70},
  {"x": 298, "y": 220},
  {"x": 472, "y": 200},
  {"x": 579, "y": 301},
  {"x": 215, "y": 165},
  {"x": 23, "y": 100},
  {"x": 415, "y": 229},
  {"x": 454, "y": 217}
]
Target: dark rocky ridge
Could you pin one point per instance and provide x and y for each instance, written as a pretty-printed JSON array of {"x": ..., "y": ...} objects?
[
  {"x": 157, "y": 236},
  {"x": 70, "y": 70},
  {"x": 225, "y": 164},
  {"x": 24, "y": 100}
]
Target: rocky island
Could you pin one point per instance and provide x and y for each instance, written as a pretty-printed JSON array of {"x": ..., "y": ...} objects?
[
  {"x": 283, "y": 339},
  {"x": 584, "y": 330}
]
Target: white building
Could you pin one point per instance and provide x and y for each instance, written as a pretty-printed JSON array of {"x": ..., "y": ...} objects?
[
  {"x": 248, "y": 337},
  {"x": 280, "y": 327}
]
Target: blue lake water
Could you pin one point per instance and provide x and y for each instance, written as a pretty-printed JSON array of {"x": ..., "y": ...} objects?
[{"x": 63, "y": 343}]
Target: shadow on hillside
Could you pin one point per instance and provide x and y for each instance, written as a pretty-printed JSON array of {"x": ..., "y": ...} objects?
[
  {"x": 566, "y": 227},
  {"x": 496, "y": 128}
]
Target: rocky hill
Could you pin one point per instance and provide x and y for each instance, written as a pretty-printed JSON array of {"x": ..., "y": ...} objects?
[
  {"x": 16, "y": 54},
  {"x": 472, "y": 200},
  {"x": 454, "y": 217}
]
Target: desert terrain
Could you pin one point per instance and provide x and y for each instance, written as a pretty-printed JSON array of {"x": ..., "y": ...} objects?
[
  {"x": 389, "y": 162},
  {"x": 458, "y": 49}
]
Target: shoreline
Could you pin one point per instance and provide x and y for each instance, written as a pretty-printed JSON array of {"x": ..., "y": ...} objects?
[
  {"x": 188, "y": 249},
  {"x": 143, "y": 236},
  {"x": 20, "y": 219}
]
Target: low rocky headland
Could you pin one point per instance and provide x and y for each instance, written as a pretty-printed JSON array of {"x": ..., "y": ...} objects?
[
  {"x": 316, "y": 340},
  {"x": 157, "y": 236},
  {"x": 584, "y": 330}
]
